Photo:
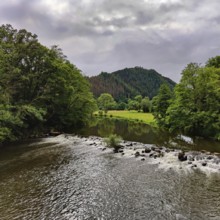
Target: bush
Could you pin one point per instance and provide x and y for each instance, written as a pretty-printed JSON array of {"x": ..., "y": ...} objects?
[{"x": 113, "y": 141}]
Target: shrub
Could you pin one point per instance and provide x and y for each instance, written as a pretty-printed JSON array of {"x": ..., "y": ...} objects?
[{"x": 113, "y": 141}]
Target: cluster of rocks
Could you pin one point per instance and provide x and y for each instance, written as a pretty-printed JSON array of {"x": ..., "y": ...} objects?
[
  {"x": 203, "y": 157},
  {"x": 194, "y": 159},
  {"x": 142, "y": 151}
]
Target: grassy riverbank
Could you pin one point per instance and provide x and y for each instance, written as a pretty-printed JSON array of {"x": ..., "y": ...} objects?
[{"x": 147, "y": 118}]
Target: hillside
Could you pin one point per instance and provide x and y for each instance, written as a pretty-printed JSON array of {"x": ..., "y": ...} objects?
[{"x": 129, "y": 82}]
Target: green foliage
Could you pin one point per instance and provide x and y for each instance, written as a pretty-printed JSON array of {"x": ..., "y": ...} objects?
[
  {"x": 138, "y": 99},
  {"x": 146, "y": 104},
  {"x": 196, "y": 107},
  {"x": 161, "y": 102},
  {"x": 133, "y": 105},
  {"x": 106, "y": 102},
  {"x": 38, "y": 86},
  {"x": 113, "y": 141},
  {"x": 213, "y": 62},
  {"x": 127, "y": 83},
  {"x": 10, "y": 123},
  {"x": 121, "y": 106}
]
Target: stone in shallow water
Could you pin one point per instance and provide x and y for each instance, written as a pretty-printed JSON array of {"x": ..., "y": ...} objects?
[
  {"x": 137, "y": 154},
  {"x": 204, "y": 164},
  {"x": 209, "y": 157},
  {"x": 182, "y": 156},
  {"x": 147, "y": 150}
]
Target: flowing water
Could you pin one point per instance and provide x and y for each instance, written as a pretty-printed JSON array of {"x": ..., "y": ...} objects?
[{"x": 71, "y": 178}]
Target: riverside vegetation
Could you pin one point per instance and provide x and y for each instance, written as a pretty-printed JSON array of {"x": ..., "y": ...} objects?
[
  {"x": 194, "y": 106},
  {"x": 39, "y": 88}
]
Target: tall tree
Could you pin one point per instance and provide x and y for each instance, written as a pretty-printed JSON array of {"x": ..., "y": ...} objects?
[
  {"x": 106, "y": 102},
  {"x": 38, "y": 86},
  {"x": 161, "y": 102},
  {"x": 146, "y": 104},
  {"x": 196, "y": 107}
]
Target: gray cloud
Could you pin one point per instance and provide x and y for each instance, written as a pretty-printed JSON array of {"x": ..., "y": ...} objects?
[{"x": 102, "y": 35}]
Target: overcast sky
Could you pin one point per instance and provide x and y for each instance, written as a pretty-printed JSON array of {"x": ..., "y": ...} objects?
[{"x": 107, "y": 35}]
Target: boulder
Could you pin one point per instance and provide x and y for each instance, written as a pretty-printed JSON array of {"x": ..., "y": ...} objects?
[
  {"x": 182, "y": 156},
  {"x": 151, "y": 155},
  {"x": 209, "y": 157},
  {"x": 204, "y": 164},
  {"x": 137, "y": 154},
  {"x": 147, "y": 150},
  {"x": 157, "y": 150}
]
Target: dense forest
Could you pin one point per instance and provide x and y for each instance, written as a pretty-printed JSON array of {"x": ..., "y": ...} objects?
[
  {"x": 194, "y": 106},
  {"x": 127, "y": 83},
  {"x": 39, "y": 88}
]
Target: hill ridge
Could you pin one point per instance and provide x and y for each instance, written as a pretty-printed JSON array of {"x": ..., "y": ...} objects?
[{"x": 129, "y": 82}]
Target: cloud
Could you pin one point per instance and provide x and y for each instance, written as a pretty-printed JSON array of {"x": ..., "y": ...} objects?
[{"x": 102, "y": 35}]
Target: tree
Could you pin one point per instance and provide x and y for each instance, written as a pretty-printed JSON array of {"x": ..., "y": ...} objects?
[
  {"x": 161, "y": 102},
  {"x": 38, "y": 86},
  {"x": 133, "y": 104},
  {"x": 213, "y": 62},
  {"x": 121, "y": 106},
  {"x": 106, "y": 102},
  {"x": 138, "y": 99},
  {"x": 146, "y": 104},
  {"x": 196, "y": 107}
]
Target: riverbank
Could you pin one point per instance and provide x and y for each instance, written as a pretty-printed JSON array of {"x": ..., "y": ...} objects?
[{"x": 165, "y": 158}]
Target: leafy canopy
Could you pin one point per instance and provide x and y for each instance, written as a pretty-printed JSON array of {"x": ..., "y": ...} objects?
[
  {"x": 106, "y": 102},
  {"x": 39, "y": 87},
  {"x": 195, "y": 108}
]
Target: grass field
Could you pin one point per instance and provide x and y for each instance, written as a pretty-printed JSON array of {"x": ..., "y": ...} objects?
[{"x": 147, "y": 118}]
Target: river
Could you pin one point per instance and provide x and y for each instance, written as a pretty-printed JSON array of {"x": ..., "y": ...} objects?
[{"x": 68, "y": 177}]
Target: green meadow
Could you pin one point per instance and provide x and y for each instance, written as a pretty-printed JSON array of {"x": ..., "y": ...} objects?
[{"x": 147, "y": 118}]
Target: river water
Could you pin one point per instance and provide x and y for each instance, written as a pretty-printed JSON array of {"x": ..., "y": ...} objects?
[{"x": 72, "y": 178}]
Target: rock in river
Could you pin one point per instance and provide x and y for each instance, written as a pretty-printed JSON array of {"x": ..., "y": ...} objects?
[{"x": 182, "y": 156}]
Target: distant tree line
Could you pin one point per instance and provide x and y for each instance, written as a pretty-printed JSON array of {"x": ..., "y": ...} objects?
[
  {"x": 106, "y": 102},
  {"x": 194, "y": 106},
  {"x": 39, "y": 88}
]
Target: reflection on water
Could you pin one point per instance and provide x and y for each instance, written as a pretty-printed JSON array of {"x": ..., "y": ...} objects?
[
  {"x": 79, "y": 181},
  {"x": 138, "y": 132}
]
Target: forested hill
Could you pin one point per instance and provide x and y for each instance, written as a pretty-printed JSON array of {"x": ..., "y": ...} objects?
[{"x": 129, "y": 82}]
